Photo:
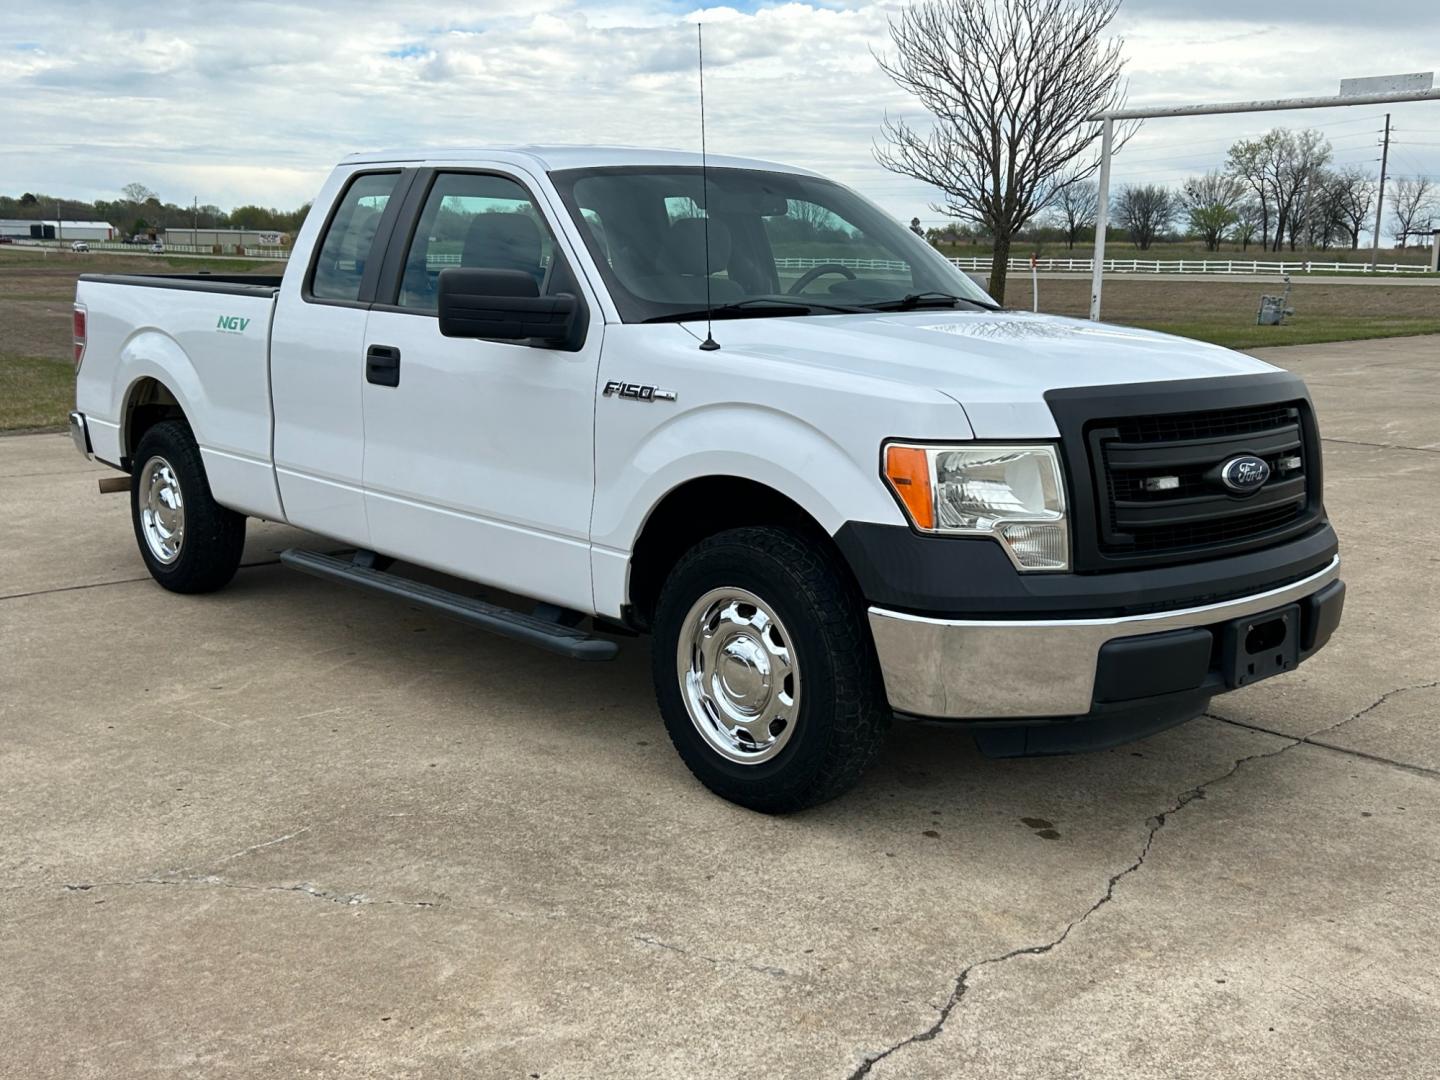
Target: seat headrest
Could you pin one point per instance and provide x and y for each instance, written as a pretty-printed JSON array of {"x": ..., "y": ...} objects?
[
  {"x": 683, "y": 250},
  {"x": 502, "y": 242}
]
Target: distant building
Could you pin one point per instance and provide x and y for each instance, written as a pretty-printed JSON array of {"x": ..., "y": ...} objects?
[
  {"x": 57, "y": 230},
  {"x": 226, "y": 239}
]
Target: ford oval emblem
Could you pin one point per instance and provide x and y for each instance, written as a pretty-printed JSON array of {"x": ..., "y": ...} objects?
[{"x": 1244, "y": 474}]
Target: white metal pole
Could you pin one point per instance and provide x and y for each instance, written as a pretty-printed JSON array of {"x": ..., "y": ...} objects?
[{"x": 1102, "y": 217}]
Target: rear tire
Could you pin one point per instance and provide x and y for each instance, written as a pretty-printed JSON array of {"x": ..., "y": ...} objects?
[
  {"x": 764, "y": 670},
  {"x": 190, "y": 543}
]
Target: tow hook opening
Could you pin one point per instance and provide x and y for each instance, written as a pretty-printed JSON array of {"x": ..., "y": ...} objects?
[{"x": 1265, "y": 636}]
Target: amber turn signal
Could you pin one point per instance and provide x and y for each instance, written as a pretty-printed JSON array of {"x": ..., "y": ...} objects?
[{"x": 908, "y": 470}]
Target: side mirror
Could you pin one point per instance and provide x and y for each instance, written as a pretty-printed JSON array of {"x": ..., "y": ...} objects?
[{"x": 502, "y": 305}]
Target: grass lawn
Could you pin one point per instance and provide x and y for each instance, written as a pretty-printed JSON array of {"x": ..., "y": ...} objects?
[
  {"x": 102, "y": 262},
  {"x": 1223, "y": 312},
  {"x": 1300, "y": 332},
  {"x": 35, "y": 392}
]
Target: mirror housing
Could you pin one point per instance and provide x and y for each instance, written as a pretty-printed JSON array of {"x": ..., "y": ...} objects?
[{"x": 502, "y": 305}]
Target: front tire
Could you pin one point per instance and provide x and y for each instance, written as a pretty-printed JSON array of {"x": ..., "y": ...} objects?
[
  {"x": 190, "y": 543},
  {"x": 764, "y": 670}
]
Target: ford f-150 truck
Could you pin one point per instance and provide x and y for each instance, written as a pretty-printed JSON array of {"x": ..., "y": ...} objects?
[{"x": 743, "y": 411}]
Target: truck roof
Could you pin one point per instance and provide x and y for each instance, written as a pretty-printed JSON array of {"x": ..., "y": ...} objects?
[{"x": 557, "y": 157}]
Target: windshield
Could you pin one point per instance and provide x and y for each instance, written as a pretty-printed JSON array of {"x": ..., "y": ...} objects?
[{"x": 779, "y": 244}]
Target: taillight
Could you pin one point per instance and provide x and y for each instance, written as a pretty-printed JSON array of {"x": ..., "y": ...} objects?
[{"x": 79, "y": 335}]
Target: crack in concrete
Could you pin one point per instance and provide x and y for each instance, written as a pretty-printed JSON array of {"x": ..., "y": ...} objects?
[
  {"x": 1312, "y": 740},
  {"x": 656, "y": 943},
  {"x": 211, "y": 881},
  {"x": 107, "y": 584},
  {"x": 268, "y": 843},
  {"x": 1382, "y": 446},
  {"x": 1155, "y": 824}
]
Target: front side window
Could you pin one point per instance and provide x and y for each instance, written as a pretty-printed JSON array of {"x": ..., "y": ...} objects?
[
  {"x": 476, "y": 221},
  {"x": 345, "y": 248},
  {"x": 777, "y": 243}
]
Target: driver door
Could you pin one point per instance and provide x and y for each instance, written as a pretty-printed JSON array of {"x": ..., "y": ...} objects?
[{"x": 479, "y": 455}]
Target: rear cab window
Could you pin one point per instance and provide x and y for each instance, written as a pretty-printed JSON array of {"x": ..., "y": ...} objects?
[{"x": 346, "y": 248}]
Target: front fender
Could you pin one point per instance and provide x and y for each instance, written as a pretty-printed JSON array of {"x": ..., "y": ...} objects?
[{"x": 781, "y": 451}]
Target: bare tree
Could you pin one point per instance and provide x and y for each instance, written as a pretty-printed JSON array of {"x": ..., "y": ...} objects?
[
  {"x": 1412, "y": 201},
  {"x": 1008, "y": 85},
  {"x": 1076, "y": 207},
  {"x": 1212, "y": 204},
  {"x": 1355, "y": 194},
  {"x": 1145, "y": 211}
]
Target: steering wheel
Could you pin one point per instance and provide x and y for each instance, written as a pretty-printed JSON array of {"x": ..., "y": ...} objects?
[{"x": 819, "y": 271}]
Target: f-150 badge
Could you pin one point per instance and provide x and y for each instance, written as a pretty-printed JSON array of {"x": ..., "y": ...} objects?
[{"x": 637, "y": 391}]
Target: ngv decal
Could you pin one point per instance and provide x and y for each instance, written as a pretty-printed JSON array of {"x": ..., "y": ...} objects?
[
  {"x": 231, "y": 324},
  {"x": 637, "y": 391}
]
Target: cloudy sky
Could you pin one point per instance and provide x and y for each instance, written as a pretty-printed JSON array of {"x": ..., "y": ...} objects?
[{"x": 253, "y": 100}]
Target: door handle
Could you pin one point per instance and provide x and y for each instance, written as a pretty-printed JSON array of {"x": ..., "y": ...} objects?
[{"x": 382, "y": 365}]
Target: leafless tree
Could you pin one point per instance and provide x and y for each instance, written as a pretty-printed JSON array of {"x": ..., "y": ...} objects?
[
  {"x": 1076, "y": 207},
  {"x": 1412, "y": 201},
  {"x": 1145, "y": 211},
  {"x": 1008, "y": 85},
  {"x": 1212, "y": 204},
  {"x": 1355, "y": 193}
]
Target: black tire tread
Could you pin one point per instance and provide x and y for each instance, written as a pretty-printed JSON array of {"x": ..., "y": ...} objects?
[
  {"x": 861, "y": 715},
  {"x": 214, "y": 534}
]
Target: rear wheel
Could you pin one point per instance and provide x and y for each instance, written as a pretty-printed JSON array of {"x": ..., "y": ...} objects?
[
  {"x": 764, "y": 670},
  {"x": 190, "y": 543}
]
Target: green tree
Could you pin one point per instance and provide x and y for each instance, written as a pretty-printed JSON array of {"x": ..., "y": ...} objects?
[{"x": 1212, "y": 204}]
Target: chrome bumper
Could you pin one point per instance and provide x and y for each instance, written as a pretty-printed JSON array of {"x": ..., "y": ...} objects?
[
  {"x": 80, "y": 435},
  {"x": 989, "y": 669}
]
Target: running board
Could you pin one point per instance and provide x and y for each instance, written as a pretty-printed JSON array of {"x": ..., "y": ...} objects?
[{"x": 549, "y": 634}]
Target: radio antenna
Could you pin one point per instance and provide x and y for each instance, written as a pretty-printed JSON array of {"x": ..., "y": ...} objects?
[{"x": 709, "y": 344}]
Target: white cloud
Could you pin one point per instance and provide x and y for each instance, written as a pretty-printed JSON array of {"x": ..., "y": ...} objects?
[{"x": 254, "y": 100}]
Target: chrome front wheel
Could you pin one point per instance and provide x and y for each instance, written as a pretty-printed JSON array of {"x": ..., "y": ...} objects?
[
  {"x": 162, "y": 510},
  {"x": 738, "y": 675}
]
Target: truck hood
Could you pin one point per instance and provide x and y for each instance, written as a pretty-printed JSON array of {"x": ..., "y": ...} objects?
[{"x": 997, "y": 365}]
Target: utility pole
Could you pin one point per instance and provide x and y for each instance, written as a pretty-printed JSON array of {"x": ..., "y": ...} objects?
[
  {"x": 195, "y": 223},
  {"x": 1380, "y": 197},
  {"x": 59, "y": 225}
]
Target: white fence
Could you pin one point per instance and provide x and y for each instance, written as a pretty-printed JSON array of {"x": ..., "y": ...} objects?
[
  {"x": 1191, "y": 266},
  {"x": 63, "y": 244},
  {"x": 1123, "y": 266}
]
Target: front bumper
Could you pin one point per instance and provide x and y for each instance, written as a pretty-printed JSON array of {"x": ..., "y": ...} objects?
[
  {"x": 1042, "y": 669},
  {"x": 80, "y": 435}
]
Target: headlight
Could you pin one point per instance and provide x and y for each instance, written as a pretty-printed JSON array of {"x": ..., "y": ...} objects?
[{"x": 1013, "y": 493}]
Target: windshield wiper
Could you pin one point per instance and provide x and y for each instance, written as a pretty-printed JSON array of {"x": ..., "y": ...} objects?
[
  {"x": 911, "y": 301},
  {"x": 755, "y": 305}
]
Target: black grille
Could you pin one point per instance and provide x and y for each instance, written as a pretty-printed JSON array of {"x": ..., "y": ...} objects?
[
  {"x": 1209, "y": 424},
  {"x": 1204, "y": 534},
  {"x": 1159, "y": 480}
]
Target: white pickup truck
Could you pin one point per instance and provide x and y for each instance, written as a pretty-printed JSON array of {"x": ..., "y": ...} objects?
[{"x": 870, "y": 493}]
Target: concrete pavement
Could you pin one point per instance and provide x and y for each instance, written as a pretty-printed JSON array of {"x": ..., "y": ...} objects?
[{"x": 290, "y": 829}]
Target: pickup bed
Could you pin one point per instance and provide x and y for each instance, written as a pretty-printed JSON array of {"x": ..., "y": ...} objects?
[{"x": 739, "y": 409}]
